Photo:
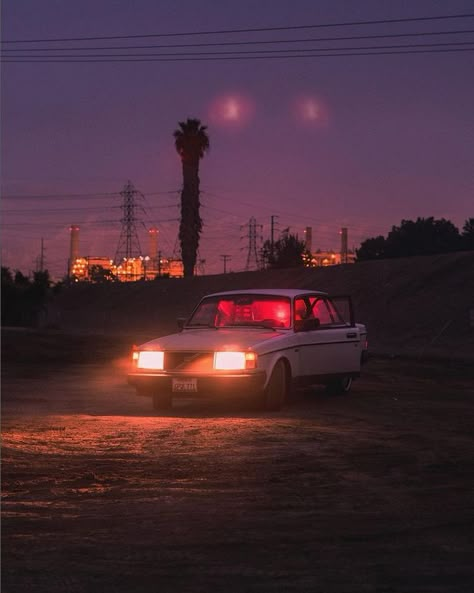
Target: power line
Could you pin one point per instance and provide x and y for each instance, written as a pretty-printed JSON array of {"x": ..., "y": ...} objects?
[
  {"x": 233, "y": 58},
  {"x": 243, "y": 43},
  {"x": 269, "y": 207},
  {"x": 251, "y": 30},
  {"x": 56, "y": 223},
  {"x": 255, "y": 52},
  {"x": 78, "y": 209},
  {"x": 49, "y": 210},
  {"x": 86, "y": 195},
  {"x": 57, "y": 196}
]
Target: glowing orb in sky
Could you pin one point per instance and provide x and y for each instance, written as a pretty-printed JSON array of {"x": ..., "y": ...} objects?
[
  {"x": 233, "y": 109},
  {"x": 310, "y": 110}
]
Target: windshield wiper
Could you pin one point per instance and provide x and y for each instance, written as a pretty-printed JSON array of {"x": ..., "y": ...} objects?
[{"x": 253, "y": 324}]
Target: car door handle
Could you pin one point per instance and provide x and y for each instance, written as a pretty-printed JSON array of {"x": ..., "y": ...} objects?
[{"x": 351, "y": 335}]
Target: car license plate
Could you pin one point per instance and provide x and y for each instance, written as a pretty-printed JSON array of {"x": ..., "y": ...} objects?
[{"x": 184, "y": 385}]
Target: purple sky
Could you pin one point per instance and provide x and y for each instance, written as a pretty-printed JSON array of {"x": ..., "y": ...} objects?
[{"x": 356, "y": 141}]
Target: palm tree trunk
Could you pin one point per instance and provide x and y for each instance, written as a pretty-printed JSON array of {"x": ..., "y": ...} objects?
[{"x": 191, "y": 223}]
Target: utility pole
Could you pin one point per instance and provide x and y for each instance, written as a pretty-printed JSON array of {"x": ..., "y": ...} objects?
[
  {"x": 225, "y": 258},
  {"x": 344, "y": 250},
  {"x": 159, "y": 263},
  {"x": 41, "y": 258},
  {"x": 272, "y": 233},
  {"x": 308, "y": 238}
]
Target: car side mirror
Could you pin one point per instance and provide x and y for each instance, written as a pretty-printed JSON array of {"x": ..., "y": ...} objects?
[
  {"x": 181, "y": 321},
  {"x": 307, "y": 325},
  {"x": 310, "y": 324}
]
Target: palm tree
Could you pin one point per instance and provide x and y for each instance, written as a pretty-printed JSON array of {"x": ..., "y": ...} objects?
[{"x": 191, "y": 142}]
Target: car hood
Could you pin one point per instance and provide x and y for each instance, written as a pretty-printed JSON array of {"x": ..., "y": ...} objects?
[{"x": 214, "y": 339}]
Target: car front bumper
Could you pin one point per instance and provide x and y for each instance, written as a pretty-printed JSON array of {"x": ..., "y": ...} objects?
[{"x": 219, "y": 385}]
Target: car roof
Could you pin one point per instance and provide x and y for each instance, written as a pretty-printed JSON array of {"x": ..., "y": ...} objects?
[{"x": 285, "y": 292}]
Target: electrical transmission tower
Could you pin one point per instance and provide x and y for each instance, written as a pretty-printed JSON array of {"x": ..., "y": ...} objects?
[
  {"x": 252, "y": 254},
  {"x": 129, "y": 243}
]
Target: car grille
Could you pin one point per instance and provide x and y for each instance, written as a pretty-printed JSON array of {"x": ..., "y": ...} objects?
[{"x": 188, "y": 361}]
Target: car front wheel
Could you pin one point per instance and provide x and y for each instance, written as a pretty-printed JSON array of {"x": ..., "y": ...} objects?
[{"x": 339, "y": 386}]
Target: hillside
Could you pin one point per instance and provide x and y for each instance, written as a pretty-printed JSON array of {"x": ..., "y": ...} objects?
[{"x": 416, "y": 306}]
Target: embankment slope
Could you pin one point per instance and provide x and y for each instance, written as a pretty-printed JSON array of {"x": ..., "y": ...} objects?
[{"x": 415, "y": 306}]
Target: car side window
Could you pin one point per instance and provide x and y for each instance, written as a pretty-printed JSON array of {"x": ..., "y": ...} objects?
[
  {"x": 321, "y": 310},
  {"x": 300, "y": 310},
  {"x": 325, "y": 311},
  {"x": 335, "y": 315},
  {"x": 300, "y": 313}
]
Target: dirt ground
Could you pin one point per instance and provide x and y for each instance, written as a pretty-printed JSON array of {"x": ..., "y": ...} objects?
[{"x": 368, "y": 492}]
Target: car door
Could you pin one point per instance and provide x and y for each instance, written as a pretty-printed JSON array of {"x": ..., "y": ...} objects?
[{"x": 331, "y": 346}]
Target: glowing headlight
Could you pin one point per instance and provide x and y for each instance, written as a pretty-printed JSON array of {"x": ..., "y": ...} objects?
[
  {"x": 234, "y": 361},
  {"x": 150, "y": 360}
]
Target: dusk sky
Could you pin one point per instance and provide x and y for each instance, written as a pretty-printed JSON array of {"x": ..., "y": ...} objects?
[{"x": 327, "y": 141}]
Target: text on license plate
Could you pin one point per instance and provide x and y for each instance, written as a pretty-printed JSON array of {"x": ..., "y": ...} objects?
[{"x": 184, "y": 385}]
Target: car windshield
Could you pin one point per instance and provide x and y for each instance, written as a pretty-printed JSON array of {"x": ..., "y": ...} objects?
[{"x": 242, "y": 310}]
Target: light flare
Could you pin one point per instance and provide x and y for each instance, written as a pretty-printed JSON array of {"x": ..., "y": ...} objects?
[
  {"x": 231, "y": 110},
  {"x": 310, "y": 110}
]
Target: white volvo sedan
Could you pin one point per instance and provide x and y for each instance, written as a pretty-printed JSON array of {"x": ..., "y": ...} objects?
[{"x": 257, "y": 344}]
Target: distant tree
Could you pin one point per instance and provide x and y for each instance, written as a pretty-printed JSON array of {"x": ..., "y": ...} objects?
[
  {"x": 7, "y": 276},
  {"x": 287, "y": 252},
  {"x": 191, "y": 142},
  {"x": 38, "y": 294},
  {"x": 8, "y": 296},
  {"x": 424, "y": 236},
  {"x": 100, "y": 275},
  {"x": 41, "y": 282},
  {"x": 372, "y": 248},
  {"x": 24, "y": 300},
  {"x": 16, "y": 298},
  {"x": 21, "y": 279},
  {"x": 467, "y": 236}
]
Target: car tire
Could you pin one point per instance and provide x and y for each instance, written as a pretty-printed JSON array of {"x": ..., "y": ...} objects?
[
  {"x": 277, "y": 388},
  {"x": 339, "y": 386}
]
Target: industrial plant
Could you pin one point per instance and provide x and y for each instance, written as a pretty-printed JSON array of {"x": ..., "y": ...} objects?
[
  {"x": 130, "y": 264},
  {"x": 127, "y": 269}
]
